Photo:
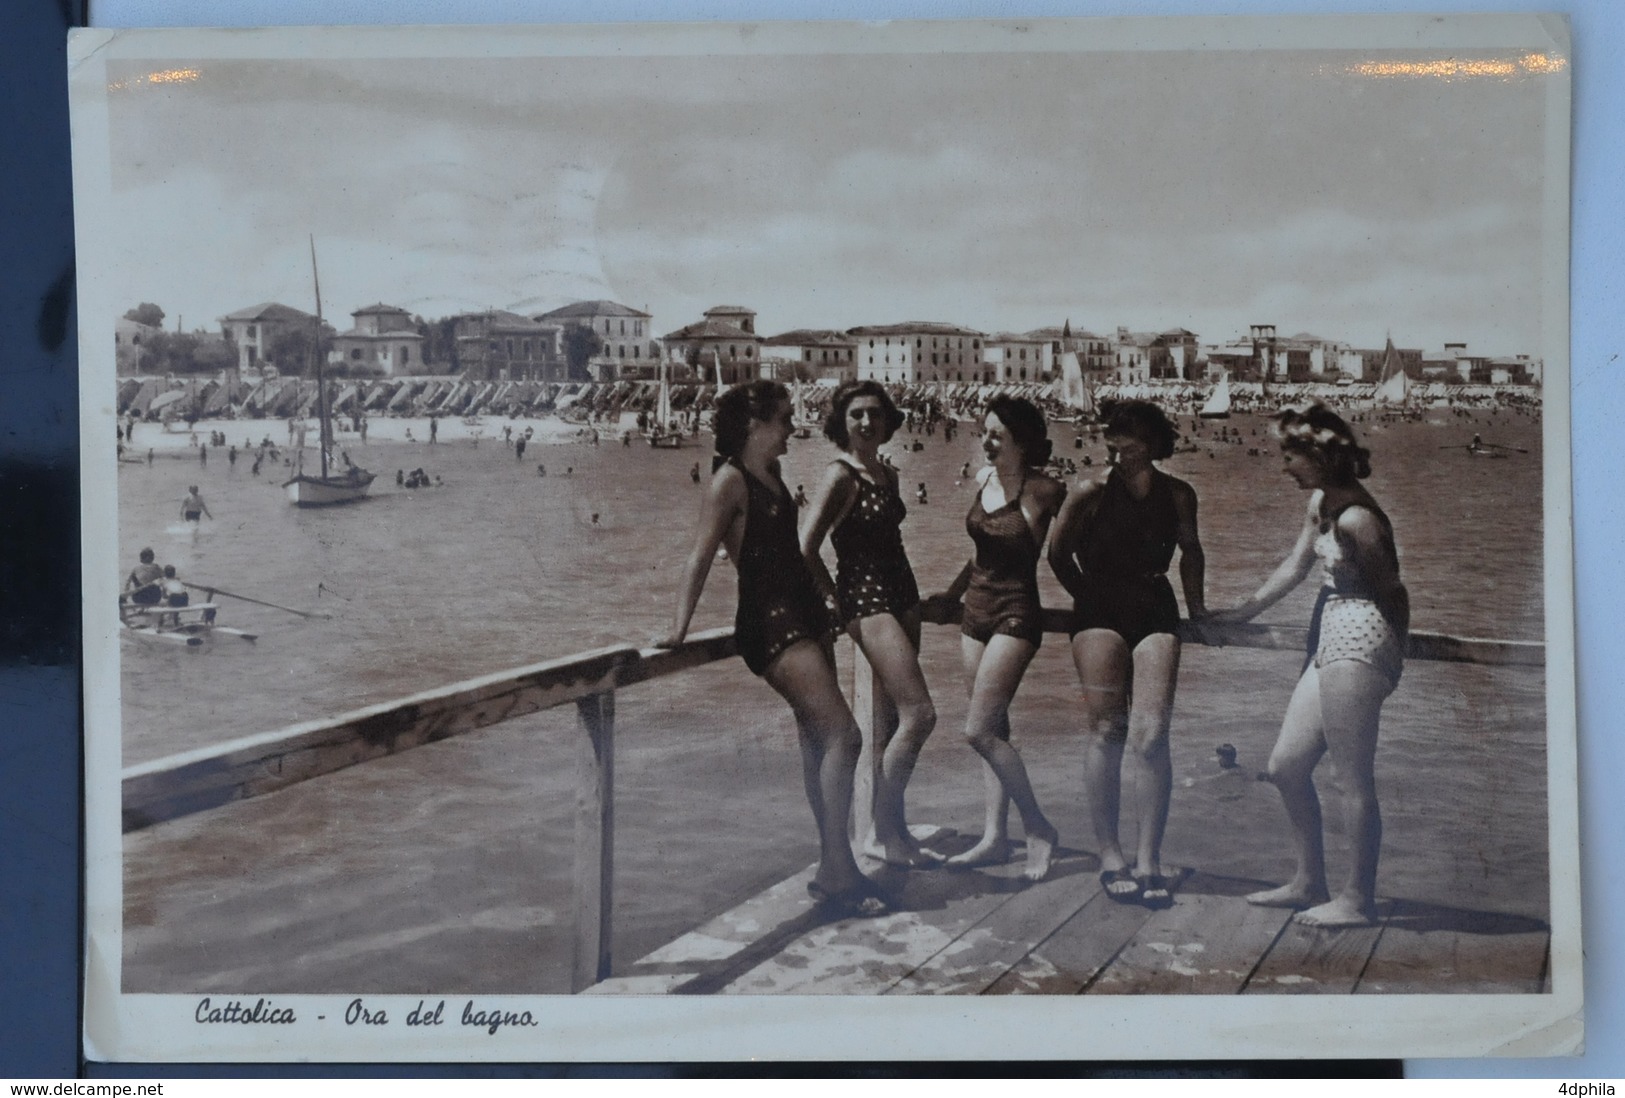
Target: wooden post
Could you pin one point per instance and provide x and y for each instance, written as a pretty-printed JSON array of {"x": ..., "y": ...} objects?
[
  {"x": 595, "y": 840},
  {"x": 866, "y": 707}
]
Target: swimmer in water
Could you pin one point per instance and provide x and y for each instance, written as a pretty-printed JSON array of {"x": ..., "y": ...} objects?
[{"x": 192, "y": 507}]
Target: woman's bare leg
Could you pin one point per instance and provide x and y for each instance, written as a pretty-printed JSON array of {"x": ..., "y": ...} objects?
[
  {"x": 1351, "y": 697},
  {"x": 1102, "y": 660},
  {"x": 994, "y": 846},
  {"x": 892, "y": 649},
  {"x": 805, "y": 677},
  {"x": 999, "y": 668},
  {"x": 1148, "y": 761},
  {"x": 1297, "y": 750}
]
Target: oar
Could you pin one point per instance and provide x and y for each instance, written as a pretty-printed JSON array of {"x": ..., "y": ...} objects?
[
  {"x": 1504, "y": 446},
  {"x": 256, "y": 602}
]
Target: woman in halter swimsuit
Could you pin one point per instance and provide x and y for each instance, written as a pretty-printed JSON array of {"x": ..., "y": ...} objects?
[
  {"x": 782, "y": 625},
  {"x": 859, "y": 507},
  {"x": 1001, "y": 627},
  {"x": 1111, "y": 549},
  {"x": 1356, "y": 653}
]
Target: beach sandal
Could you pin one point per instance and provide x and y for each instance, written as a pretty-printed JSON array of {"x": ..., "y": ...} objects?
[
  {"x": 1156, "y": 892},
  {"x": 862, "y": 901},
  {"x": 1119, "y": 877}
]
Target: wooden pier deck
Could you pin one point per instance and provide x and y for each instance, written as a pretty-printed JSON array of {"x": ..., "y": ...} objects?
[{"x": 987, "y": 931}]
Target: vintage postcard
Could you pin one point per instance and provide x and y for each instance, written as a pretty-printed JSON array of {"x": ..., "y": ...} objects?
[{"x": 797, "y": 541}]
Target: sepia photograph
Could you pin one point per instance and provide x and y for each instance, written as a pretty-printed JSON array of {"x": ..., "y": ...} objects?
[{"x": 698, "y": 541}]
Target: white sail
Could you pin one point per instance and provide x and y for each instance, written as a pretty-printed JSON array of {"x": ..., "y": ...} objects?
[
  {"x": 1393, "y": 386},
  {"x": 1218, "y": 401},
  {"x": 663, "y": 402},
  {"x": 1074, "y": 388}
]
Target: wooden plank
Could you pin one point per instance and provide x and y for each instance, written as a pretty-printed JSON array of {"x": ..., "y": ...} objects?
[
  {"x": 196, "y": 780},
  {"x": 986, "y": 951},
  {"x": 594, "y": 841},
  {"x": 868, "y": 956},
  {"x": 1069, "y": 959},
  {"x": 1425, "y": 949},
  {"x": 1315, "y": 960},
  {"x": 723, "y": 948},
  {"x": 1206, "y": 944}
]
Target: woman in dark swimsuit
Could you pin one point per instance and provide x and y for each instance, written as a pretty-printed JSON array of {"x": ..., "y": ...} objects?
[
  {"x": 1001, "y": 628},
  {"x": 1357, "y": 643},
  {"x": 858, "y": 506},
  {"x": 1113, "y": 543},
  {"x": 781, "y": 625}
]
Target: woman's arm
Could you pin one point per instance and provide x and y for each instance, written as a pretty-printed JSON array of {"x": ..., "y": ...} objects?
[
  {"x": 1050, "y": 495},
  {"x": 724, "y": 502},
  {"x": 1071, "y": 524},
  {"x": 831, "y": 500},
  {"x": 1192, "y": 561},
  {"x": 1287, "y": 575}
]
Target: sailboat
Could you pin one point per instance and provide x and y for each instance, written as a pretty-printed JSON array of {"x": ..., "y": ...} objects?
[
  {"x": 799, "y": 419},
  {"x": 1393, "y": 386},
  {"x": 1217, "y": 405},
  {"x": 663, "y": 433},
  {"x": 329, "y": 488},
  {"x": 1075, "y": 389}
]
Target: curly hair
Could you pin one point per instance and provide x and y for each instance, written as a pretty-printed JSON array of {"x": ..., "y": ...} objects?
[
  {"x": 754, "y": 400},
  {"x": 1027, "y": 428},
  {"x": 1143, "y": 420},
  {"x": 835, "y": 422},
  {"x": 1328, "y": 441}
]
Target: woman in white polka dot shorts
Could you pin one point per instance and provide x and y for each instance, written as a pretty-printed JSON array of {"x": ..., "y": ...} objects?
[{"x": 1356, "y": 654}]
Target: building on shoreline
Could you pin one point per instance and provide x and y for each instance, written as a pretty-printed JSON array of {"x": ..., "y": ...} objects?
[
  {"x": 919, "y": 351},
  {"x": 496, "y": 345},
  {"x": 385, "y": 339},
  {"x": 626, "y": 347},
  {"x": 257, "y": 327},
  {"x": 722, "y": 349},
  {"x": 813, "y": 354}
]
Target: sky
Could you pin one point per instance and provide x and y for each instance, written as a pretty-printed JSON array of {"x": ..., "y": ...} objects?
[{"x": 1201, "y": 189}]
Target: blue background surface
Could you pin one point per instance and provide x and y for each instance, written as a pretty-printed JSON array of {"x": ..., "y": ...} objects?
[{"x": 40, "y": 918}]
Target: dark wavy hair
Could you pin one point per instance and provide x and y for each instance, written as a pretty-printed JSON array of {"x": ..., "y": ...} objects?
[
  {"x": 1027, "y": 428},
  {"x": 735, "y": 409},
  {"x": 1143, "y": 420},
  {"x": 1323, "y": 436},
  {"x": 835, "y": 422}
]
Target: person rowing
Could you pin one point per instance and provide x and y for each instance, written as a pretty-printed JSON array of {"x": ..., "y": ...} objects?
[{"x": 144, "y": 585}]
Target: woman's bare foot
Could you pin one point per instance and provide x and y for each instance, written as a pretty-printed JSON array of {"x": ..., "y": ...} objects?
[
  {"x": 1338, "y": 913},
  {"x": 1297, "y": 894},
  {"x": 989, "y": 851},
  {"x": 903, "y": 854},
  {"x": 1040, "y": 853}
]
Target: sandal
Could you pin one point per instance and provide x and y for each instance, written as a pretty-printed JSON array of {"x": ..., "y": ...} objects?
[
  {"x": 862, "y": 901},
  {"x": 1156, "y": 892},
  {"x": 1121, "y": 876}
]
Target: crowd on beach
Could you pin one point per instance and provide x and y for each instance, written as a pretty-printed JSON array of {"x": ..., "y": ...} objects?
[{"x": 1111, "y": 543}]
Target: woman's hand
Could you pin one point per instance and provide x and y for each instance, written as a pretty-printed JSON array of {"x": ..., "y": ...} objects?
[
  {"x": 1234, "y": 615},
  {"x": 669, "y": 640}
]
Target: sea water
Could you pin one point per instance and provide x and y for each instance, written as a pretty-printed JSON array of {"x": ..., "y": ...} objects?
[{"x": 498, "y": 566}]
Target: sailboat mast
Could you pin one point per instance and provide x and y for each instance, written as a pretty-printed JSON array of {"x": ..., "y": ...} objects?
[{"x": 316, "y": 352}]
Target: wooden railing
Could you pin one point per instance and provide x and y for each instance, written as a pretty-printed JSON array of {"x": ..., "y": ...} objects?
[{"x": 196, "y": 781}]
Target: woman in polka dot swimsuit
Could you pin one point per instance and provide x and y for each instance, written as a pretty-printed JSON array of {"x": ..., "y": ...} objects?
[
  {"x": 859, "y": 508},
  {"x": 1356, "y": 653}
]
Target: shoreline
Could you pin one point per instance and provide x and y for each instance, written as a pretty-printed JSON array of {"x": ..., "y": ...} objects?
[{"x": 247, "y": 434}]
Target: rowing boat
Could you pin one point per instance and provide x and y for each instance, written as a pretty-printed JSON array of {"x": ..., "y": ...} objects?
[{"x": 189, "y": 626}]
